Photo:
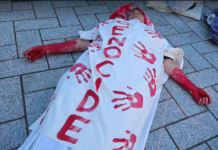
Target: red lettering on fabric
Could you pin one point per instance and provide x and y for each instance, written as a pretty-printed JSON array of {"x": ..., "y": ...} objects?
[
  {"x": 117, "y": 28},
  {"x": 81, "y": 108},
  {"x": 53, "y": 98},
  {"x": 152, "y": 82},
  {"x": 98, "y": 66},
  {"x": 154, "y": 34},
  {"x": 116, "y": 40},
  {"x": 126, "y": 142},
  {"x": 124, "y": 23},
  {"x": 61, "y": 135},
  {"x": 129, "y": 97},
  {"x": 110, "y": 48},
  {"x": 144, "y": 54},
  {"x": 81, "y": 72}
]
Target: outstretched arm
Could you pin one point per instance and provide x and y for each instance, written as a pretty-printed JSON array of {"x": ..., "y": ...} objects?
[
  {"x": 65, "y": 47},
  {"x": 199, "y": 95}
]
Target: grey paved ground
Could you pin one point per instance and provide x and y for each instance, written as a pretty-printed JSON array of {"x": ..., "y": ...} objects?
[{"x": 26, "y": 88}]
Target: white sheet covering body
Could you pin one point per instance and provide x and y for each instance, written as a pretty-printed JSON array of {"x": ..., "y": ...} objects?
[{"x": 108, "y": 98}]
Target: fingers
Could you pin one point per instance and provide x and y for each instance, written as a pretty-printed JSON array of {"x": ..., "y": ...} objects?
[
  {"x": 203, "y": 101},
  {"x": 200, "y": 101},
  {"x": 206, "y": 101}
]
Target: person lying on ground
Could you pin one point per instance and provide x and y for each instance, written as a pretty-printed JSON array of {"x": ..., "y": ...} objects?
[{"x": 107, "y": 100}]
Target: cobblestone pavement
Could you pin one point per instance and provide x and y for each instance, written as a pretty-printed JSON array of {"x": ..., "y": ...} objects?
[{"x": 26, "y": 88}]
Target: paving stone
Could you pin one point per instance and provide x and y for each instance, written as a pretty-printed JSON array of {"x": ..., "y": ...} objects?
[
  {"x": 214, "y": 97},
  {"x": 22, "y": 5},
  {"x": 196, "y": 60},
  {"x": 36, "y": 24},
  {"x": 69, "y": 3},
  {"x": 5, "y": 6},
  {"x": 185, "y": 19},
  {"x": 184, "y": 38},
  {"x": 22, "y": 66},
  {"x": 204, "y": 24},
  {"x": 166, "y": 30},
  {"x": 206, "y": 11},
  {"x": 183, "y": 98},
  {"x": 7, "y": 33},
  {"x": 216, "y": 87},
  {"x": 67, "y": 16},
  {"x": 167, "y": 112},
  {"x": 43, "y": 9},
  {"x": 88, "y": 21},
  {"x": 128, "y": 1},
  {"x": 76, "y": 55},
  {"x": 58, "y": 60},
  {"x": 95, "y": 2},
  {"x": 155, "y": 17},
  {"x": 213, "y": 143},
  {"x": 199, "y": 30},
  {"x": 164, "y": 95},
  {"x": 141, "y": 5},
  {"x": 62, "y": 32},
  {"x": 162, "y": 13},
  {"x": 204, "y": 78},
  {"x": 212, "y": 58},
  {"x": 177, "y": 24},
  {"x": 27, "y": 40},
  {"x": 103, "y": 17},
  {"x": 211, "y": 4},
  {"x": 8, "y": 52},
  {"x": 160, "y": 140},
  {"x": 17, "y": 15},
  {"x": 36, "y": 104},
  {"x": 42, "y": 80},
  {"x": 205, "y": 47},
  {"x": 187, "y": 68},
  {"x": 11, "y": 105},
  {"x": 201, "y": 147},
  {"x": 88, "y": 10},
  {"x": 190, "y": 132},
  {"x": 13, "y": 134},
  {"x": 112, "y": 5}
]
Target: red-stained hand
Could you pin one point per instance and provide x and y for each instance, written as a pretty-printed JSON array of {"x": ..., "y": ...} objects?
[
  {"x": 201, "y": 97},
  {"x": 34, "y": 53}
]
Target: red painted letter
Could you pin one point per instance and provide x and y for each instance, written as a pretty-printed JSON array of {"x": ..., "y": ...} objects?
[
  {"x": 109, "y": 56},
  {"x": 121, "y": 28},
  {"x": 98, "y": 66},
  {"x": 116, "y": 40},
  {"x": 124, "y": 23},
  {"x": 68, "y": 126},
  {"x": 81, "y": 108}
]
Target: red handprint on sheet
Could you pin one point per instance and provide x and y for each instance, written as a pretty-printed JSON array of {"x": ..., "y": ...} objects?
[
  {"x": 129, "y": 97},
  {"x": 83, "y": 69},
  {"x": 154, "y": 34},
  {"x": 127, "y": 142},
  {"x": 149, "y": 57},
  {"x": 152, "y": 82}
]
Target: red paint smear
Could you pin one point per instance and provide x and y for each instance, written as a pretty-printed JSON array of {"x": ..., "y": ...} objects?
[{"x": 97, "y": 84}]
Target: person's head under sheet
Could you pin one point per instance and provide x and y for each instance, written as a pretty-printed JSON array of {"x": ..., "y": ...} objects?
[{"x": 129, "y": 12}]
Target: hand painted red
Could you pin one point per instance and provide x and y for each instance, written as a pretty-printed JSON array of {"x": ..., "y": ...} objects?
[
  {"x": 152, "y": 82},
  {"x": 83, "y": 70},
  {"x": 129, "y": 97},
  {"x": 38, "y": 51},
  {"x": 199, "y": 95},
  {"x": 149, "y": 57},
  {"x": 126, "y": 142},
  {"x": 35, "y": 53}
]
